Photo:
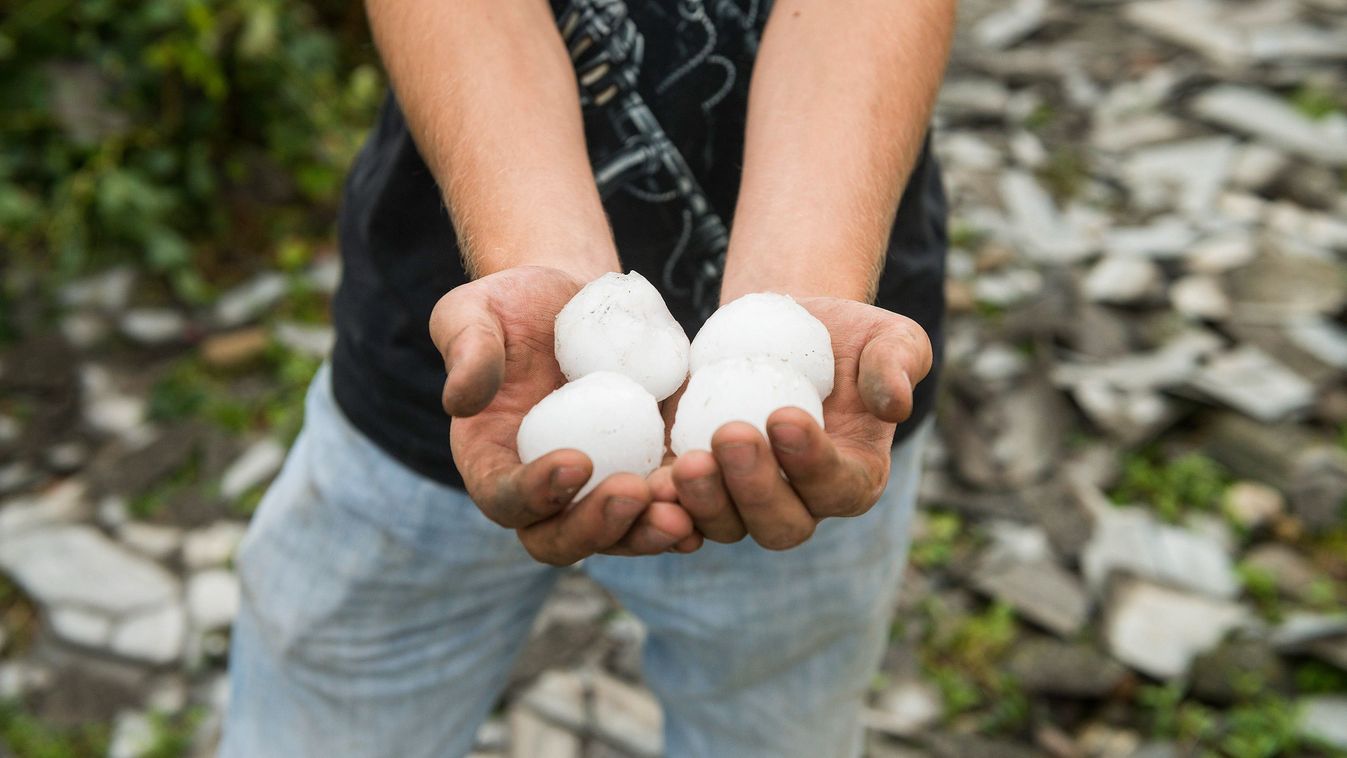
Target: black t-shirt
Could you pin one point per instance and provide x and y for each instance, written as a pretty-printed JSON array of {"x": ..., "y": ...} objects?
[{"x": 400, "y": 255}]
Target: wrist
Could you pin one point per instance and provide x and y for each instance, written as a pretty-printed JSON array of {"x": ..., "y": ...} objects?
[
  {"x": 583, "y": 250},
  {"x": 801, "y": 271}
]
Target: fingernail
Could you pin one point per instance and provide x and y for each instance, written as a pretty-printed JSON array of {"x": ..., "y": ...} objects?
[
  {"x": 738, "y": 457},
  {"x": 566, "y": 481},
  {"x": 621, "y": 509},
  {"x": 658, "y": 538},
  {"x": 788, "y": 438}
]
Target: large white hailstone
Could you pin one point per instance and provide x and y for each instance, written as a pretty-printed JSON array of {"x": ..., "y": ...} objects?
[
  {"x": 739, "y": 389},
  {"x": 619, "y": 322},
  {"x": 604, "y": 415},
  {"x": 771, "y": 326}
]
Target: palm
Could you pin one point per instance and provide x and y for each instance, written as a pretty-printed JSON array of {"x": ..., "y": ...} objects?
[{"x": 525, "y": 301}]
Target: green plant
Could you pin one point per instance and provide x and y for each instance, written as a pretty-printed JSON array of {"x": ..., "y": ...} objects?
[
  {"x": 963, "y": 659},
  {"x": 1172, "y": 487},
  {"x": 182, "y": 134},
  {"x": 935, "y": 546},
  {"x": 25, "y": 735},
  {"x": 1317, "y": 102}
]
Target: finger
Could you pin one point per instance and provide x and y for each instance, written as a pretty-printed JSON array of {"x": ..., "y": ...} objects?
[
  {"x": 664, "y": 526},
  {"x": 662, "y": 484},
  {"x": 701, "y": 492},
  {"x": 893, "y": 360},
  {"x": 771, "y": 511},
  {"x": 595, "y": 523},
  {"x": 519, "y": 495},
  {"x": 828, "y": 480},
  {"x": 472, "y": 343}
]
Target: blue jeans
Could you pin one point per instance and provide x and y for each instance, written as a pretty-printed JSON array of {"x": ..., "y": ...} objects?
[{"x": 382, "y": 612}]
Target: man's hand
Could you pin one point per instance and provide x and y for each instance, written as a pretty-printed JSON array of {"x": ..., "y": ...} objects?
[
  {"x": 738, "y": 488},
  {"x": 495, "y": 335}
]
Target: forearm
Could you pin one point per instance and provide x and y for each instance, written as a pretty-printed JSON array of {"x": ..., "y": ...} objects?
[
  {"x": 838, "y": 108},
  {"x": 491, "y": 100}
]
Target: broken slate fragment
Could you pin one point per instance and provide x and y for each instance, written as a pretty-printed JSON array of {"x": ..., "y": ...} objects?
[
  {"x": 1251, "y": 382},
  {"x": 1158, "y": 630}
]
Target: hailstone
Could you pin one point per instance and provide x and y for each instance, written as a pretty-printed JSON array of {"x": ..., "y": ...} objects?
[
  {"x": 619, "y": 322},
  {"x": 739, "y": 389},
  {"x": 771, "y": 326},
  {"x": 604, "y": 415}
]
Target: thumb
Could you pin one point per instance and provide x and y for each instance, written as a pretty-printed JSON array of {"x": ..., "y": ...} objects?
[
  {"x": 895, "y": 358},
  {"x": 471, "y": 341}
]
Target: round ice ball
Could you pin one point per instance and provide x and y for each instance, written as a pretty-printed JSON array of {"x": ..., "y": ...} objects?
[
  {"x": 604, "y": 415},
  {"x": 619, "y": 322},
  {"x": 771, "y": 326},
  {"x": 739, "y": 389}
]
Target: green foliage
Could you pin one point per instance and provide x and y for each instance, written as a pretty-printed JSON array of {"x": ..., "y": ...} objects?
[
  {"x": 173, "y": 734},
  {"x": 935, "y": 547},
  {"x": 1262, "y": 726},
  {"x": 1317, "y": 102},
  {"x": 1261, "y": 585},
  {"x": 963, "y": 659},
  {"x": 178, "y": 133},
  {"x": 23, "y": 734},
  {"x": 1187, "y": 483}
]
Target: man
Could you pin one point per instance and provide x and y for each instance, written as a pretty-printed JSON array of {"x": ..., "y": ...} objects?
[{"x": 388, "y": 584}]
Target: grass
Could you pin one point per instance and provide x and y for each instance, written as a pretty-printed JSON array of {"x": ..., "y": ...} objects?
[
  {"x": 963, "y": 660},
  {"x": 193, "y": 390},
  {"x": 1172, "y": 488},
  {"x": 935, "y": 548},
  {"x": 1317, "y": 102},
  {"x": 25, "y": 735}
]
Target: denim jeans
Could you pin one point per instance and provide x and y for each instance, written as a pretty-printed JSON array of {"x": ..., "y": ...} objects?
[{"x": 382, "y": 612}]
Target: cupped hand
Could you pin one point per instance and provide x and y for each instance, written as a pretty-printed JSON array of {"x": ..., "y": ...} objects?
[
  {"x": 737, "y": 488},
  {"x": 495, "y": 335}
]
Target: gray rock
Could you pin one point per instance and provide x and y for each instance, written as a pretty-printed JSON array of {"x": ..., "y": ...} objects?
[
  {"x": 973, "y": 98},
  {"x": 1251, "y": 382},
  {"x": 1060, "y": 669},
  {"x": 1199, "y": 297},
  {"x": 1041, "y": 591},
  {"x": 1221, "y": 253},
  {"x": 325, "y": 275},
  {"x": 905, "y": 708},
  {"x": 593, "y": 703},
  {"x": 1256, "y": 165},
  {"x": 313, "y": 340},
  {"x": 1010, "y": 24},
  {"x": 1324, "y": 718},
  {"x": 1253, "y": 504},
  {"x": 1319, "y": 487},
  {"x": 133, "y": 735},
  {"x": 1236, "y": 670},
  {"x": 1293, "y": 575},
  {"x": 248, "y": 301},
  {"x": 156, "y": 541},
  {"x": 1120, "y": 135},
  {"x": 109, "y": 290},
  {"x": 1167, "y": 367},
  {"x": 1267, "y": 117},
  {"x": 63, "y": 503},
  {"x": 1189, "y": 174},
  {"x": 84, "y": 329},
  {"x": 1323, "y": 338},
  {"x": 107, "y": 409},
  {"x": 76, "y": 565},
  {"x": 155, "y": 636},
  {"x": 1164, "y": 238},
  {"x": 154, "y": 326},
  {"x": 1158, "y": 630},
  {"x": 1037, "y": 226},
  {"x": 1124, "y": 280},
  {"x": 80, "y": 627},
  {"x": 1131, "y": 540},
  {"x": 255, "y": 467},
  {"x": 212, "y": 599},
  {"x": 212, "y": 545}
]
